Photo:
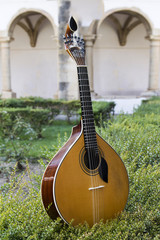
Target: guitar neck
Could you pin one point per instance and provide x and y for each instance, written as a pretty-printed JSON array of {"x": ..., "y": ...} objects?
[{"x": 86, "y": 109}]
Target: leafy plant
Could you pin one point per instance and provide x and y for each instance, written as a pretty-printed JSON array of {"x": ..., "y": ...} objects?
[
  {"x": 137, "y": 139},
  {"x": 12, "y": 138}
]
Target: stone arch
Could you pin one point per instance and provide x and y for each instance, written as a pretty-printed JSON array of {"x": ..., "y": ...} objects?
[
  {"x": 33, "y": 54},
  {"x": 24, "y": 12},
  {"x": 129, "y": 24},
  {"x": 123, "y": 52}
]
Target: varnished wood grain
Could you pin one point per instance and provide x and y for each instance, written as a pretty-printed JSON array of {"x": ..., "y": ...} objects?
[
  {"x": 73, "y": 198},
  {"x": 48, "y": 177}
]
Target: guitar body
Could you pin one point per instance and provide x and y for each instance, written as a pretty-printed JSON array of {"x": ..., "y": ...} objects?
[{"x": 79, "y": 193}]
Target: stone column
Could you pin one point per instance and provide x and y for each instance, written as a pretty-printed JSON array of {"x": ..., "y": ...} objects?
[
  {"x": 63, "y": 17},
  {"x": 5, "y": 68},
  {"x": 89, "y": 40},
  {"x": 154, "y": 70}
]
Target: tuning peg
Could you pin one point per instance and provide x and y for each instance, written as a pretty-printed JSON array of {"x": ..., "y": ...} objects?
[
  {"x": 82, "y": 41},
  {"x": 78, "y": 39}
]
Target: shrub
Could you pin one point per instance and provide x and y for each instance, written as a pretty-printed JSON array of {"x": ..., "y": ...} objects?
[
  {"x": 103, "y": 111},
  {"x": 39, "y": 112},
  {"x": 149, "y": 106},
  {"x": 13, "y": 136},
  {"x": 36, "y": 117}
]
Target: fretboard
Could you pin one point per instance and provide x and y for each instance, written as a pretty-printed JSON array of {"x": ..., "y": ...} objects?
[{"x": 86, "y": 108}]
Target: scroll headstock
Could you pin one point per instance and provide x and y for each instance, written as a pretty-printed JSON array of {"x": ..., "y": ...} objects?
[{"x": 74, "y": 45}]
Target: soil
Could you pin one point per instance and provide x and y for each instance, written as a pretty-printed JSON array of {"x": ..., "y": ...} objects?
[{"x": 7, "y": 168}]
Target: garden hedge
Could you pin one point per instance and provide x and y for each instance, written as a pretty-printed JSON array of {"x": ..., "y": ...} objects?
[{"x": 32, "y": 108}]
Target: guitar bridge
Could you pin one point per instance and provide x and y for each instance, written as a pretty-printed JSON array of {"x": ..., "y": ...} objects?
[{"x": 93, "y": 188}]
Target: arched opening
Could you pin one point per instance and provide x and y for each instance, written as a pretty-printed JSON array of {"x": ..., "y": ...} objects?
[
  {"x": 33, "y": 51},
  {"x": 121, "y": 54}
]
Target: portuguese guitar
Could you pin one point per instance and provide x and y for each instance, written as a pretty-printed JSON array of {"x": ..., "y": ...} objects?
[{"x": 86, "y": 180}]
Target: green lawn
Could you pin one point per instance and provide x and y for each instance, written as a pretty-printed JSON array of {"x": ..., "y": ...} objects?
[
  {"x": 32, "y": 149},
  {"x": 51, "y": 136}
]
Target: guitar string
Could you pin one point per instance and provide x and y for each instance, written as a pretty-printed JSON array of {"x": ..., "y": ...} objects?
[
  {"x": 88, "y": 156},
  {"x": 92, "y": 159},
  {"x": 79, "y": 62},
  {"x": 91, "y": 155}
]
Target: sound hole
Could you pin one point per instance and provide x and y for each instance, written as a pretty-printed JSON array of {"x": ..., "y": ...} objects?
[{"x": 91, "y": 159}]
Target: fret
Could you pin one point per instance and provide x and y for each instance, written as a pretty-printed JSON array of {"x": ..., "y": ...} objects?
[
  {"x": 89, "y": 127},
  {"x": 83, "y": 82},
  {"x": 84, "y": 89},
  {"x": 89, "y": 143},
  {"x": 87, "y": 104},
  {"x": 90, "y": 136},
  {"x": 89, "y": 146},
  {"x": 91, "y": 130},
  {"x": 84, "y": 95},
  {"x": 91, "y": 133},
  {"x": 85, "y": 98},
  {"x": 87, "y": 111},
  {"x": 88, "y": 122},
  {"x": 82, "y": 69},
  {"x": 87, "y": 108},
  {"x": 83, "y": 76},
  {"x": 85, "y": 114}
]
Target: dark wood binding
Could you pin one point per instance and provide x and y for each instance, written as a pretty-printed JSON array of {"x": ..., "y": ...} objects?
[{"x": 48, "y": 177}]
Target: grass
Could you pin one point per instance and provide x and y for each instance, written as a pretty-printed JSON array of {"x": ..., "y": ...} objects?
[
  {"x": 50, "y": 134},
  {"x": 137, "y": 139},
  {"x": 32, "y": 148}
]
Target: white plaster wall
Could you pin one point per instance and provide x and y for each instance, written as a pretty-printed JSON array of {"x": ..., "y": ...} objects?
[
  {"x": 87, "y": 10},
  {"x": 121, "y": 70},
  {"x": 34, "y": 70}
]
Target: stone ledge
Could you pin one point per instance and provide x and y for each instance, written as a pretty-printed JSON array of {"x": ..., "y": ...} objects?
[{"x": 151, "y": 93}]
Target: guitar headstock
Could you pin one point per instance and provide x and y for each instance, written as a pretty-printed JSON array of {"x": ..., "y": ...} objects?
[{"x": 74, "y": 45}]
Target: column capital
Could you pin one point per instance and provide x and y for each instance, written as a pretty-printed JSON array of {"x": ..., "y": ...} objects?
[
  {"x": 153, "y": 38},
  {"x": 5, "y": 39},
  {"x": 54, "y": 38},
  {"x": 89, "y": 39}
]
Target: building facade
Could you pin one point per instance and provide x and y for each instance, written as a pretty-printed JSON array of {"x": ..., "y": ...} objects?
[{"x": 122, "y": 40}]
